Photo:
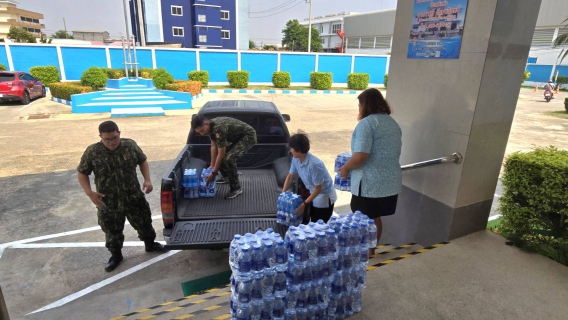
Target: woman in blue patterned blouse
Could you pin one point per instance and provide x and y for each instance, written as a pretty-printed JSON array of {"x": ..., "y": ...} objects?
[{"x": 376, "y": 178}]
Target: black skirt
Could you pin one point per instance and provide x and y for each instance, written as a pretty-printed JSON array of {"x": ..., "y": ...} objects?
[{"x": 374, "y": 207}]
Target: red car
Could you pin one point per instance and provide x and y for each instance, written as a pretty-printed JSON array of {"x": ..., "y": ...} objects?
[{"x": 20, "y": 86}]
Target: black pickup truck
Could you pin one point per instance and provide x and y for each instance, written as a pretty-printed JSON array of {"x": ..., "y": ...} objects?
[{"x": 211, "y": 223}]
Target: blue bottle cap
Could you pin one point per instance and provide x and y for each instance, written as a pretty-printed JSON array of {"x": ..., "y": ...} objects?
[
  {"x": 256, "y": 246},
  {"x": 345, "y": 227},
  {"x": 330, "y": 231}
]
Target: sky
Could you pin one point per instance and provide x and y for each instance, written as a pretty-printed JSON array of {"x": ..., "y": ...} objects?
[{"x": 267, "y": 17}]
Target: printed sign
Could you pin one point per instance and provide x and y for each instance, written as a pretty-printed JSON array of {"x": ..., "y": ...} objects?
[{"x": 437, "y": 29}]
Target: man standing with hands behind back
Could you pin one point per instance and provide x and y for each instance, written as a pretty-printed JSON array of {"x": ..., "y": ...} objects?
[{"x": 113, "y": 161}]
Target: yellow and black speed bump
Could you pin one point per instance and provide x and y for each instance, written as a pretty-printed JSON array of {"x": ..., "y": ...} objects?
[
  {"x": 195, "y": 313},
  {"x": 177, "y": 300},
  {"x": 391, "y": 250},
  {"x": 419, "y": 251}
]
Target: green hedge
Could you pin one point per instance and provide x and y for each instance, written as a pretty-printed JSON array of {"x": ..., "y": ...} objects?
[
  {"x": 114, "y": 73},
  {"x": 386, "y": 79},
  {"x": 358, "y": 81},
  {"x": 94, "y": 77},
  {"x": 146, "y": 73},
  {"x": 566, "y": 104},
  {"x": 281, "y": 79},
  {"x": 535, "y": 202},
  {"x": 238, "y": 79},
  {"x": 162, "y": 78},
  {"x": 199, "y": 75},
  {"x": 3, "y": 67},
  {"x": 321, "y": 80},
  {"x": 64, "y": 90},
  {"x": 47, "y": 74}
]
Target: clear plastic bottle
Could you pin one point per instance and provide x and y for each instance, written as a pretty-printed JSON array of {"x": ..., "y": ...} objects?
[
  {"x": 257, "y": 263},
  {"x": 372, "y": 233},
  {"x": 233, "y": 250},
  {"x": 364, "y": 244},
  {"x": 336, "y": 286},
  {"x": 278, "y": 309},
  {"x": 362, "y": 282},
  {"x": 312, "y": 302},
  {"x": 280, "y": 256},
  {"x": 280, "y": 285},
  {"x": 256, "y": 291},
  {"x": 244, "y": 263},
  {"x": 312, "y": 247},
  {"x": 255, "y": 309},
  {"x": 300, "y": 251},
  {"x": 307, "y": 275},
  {"x": 244, "y": 312},
  {"x": 295, "y": 276},
  {"x": 245, "y": 293},
  {"x": 269, "y": 255},
  {"x": 268, "y": 283},
  {"x": 292, "y": 298},
  {"x": 266, "y": 311},
  {"x": 348, "y": 306},
  {"x": 340, "y": 311},
  {"x": 331, "y": 309},
  {"x": 302, "y": 304},
  {"x": 291, "y": 315},
  {"x": 333, "y": 244},
  {"x": 356, "y": 304}
]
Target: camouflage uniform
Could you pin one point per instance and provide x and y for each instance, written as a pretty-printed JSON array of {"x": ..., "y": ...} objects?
[
  {"x": 238, "y": 137},
  {"x": 115, "y": 177}
]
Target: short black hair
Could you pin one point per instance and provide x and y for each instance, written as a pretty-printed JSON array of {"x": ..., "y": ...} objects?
[
  {"x": 198, "y": 121},
  {"x": 300, "y": 142},
  {"x": 107, "y": 127}
]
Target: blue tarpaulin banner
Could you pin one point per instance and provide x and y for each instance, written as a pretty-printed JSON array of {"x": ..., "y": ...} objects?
[{"x": 437, "y": 29}]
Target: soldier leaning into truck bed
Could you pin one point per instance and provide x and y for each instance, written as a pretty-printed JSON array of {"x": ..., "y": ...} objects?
[
  {"x": 230, "y": 140},
  {"x": 118, "y": 197}
]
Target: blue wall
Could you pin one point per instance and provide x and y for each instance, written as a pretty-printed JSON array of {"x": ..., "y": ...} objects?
[
  {"x": 178, "y": 63},
  {"x": 25, "y": 57},
  {"x": 218, "y": 63},
  {"x": 375, "y": 66},
  {"x": 562, "y": 70},
  {"x": 339, "y": 66},
  {"x": 261, "y": 66},
  {"x": 117, "y": 58},
  {"x": 539, "y": 73},
  {"x": 77, "y": 60},
  {"x": 299, "y": 65}
]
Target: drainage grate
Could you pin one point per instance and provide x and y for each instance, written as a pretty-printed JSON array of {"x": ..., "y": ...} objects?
[{"x": 38, "y": 116}]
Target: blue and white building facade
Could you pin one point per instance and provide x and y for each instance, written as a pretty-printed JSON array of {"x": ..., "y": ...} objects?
[{"x": 206, "y": 24}]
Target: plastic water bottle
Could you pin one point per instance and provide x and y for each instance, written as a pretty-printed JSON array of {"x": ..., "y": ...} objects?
[
  {"x": 348, "y": 306},
  {"x": 269, "y": 255},
  {"x": 295, "y": 276},
  {"x": 280, "y": 285},
  {"x": 279, "y": 210},
  {"x": 278, "y": 310},
  {"x": 362, "y": 278},
  {"x": 255, "y": 309},
  {"x": 312, "y": 247},
  {"x": 243, "y": 313},
  {"x": 337, "y": 182},
  {"x": 372, "y": 233},
  {"x": 356, "y": 242},
  {"x": 302, "y": 303},
  {"x": 332, "y": 309},
  {"x": 340, "y": 310},
  {"x": 364, "y": 244},
  {"x": 244, "y": 263},
  {"x": 245, "y": 293},
  {"x": 333, "y": 244},
  {"x": 256, "y": 291},
  {"x": 291, "y": 315},
  {"x": 312, "y": 302},
  {"x": 292, "y": 298},
  {"x": 233, "y": 250},
  {"x": 268, "y": 283},
  {"x": 281, "y": 256},
  {"x": 336, "y": 286},
  {"x": 300, "y": 251},
  {"x": 266, "y": 311},
  {"x": 357, "y": 301},
  {"x": 257, "y": 263}
]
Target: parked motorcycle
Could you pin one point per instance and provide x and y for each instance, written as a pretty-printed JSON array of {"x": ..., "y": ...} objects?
[{"x": 547, "y": 95}]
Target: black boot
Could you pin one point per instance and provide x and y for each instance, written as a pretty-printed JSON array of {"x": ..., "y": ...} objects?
[
  {"x": 114, "y": 261},
  {"x": 154, "y": 246}
]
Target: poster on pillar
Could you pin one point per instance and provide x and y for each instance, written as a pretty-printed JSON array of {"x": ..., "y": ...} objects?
[{"x": 437, "y": 29}]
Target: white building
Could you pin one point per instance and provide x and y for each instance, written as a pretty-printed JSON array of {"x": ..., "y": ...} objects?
[{"x": 329, "y": 28}]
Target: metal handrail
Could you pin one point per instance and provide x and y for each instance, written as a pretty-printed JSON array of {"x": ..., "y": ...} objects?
[{"x": 454, "y": 158}]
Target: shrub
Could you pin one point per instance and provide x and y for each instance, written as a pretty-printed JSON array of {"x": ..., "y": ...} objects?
[
  {"x": 281, "y": 79},
  {"x": 566, "y": 104},
  {"x": 64, "y": 90},
  {"x": 94, "y": 77},
  {"x": 162, "y": 78},
  {"x": 114, "y": 73},
  {"x": 193, "y": 87},
  {"x": 535, "y": 202},
  {"x": 199, "y": 75},
  {"x": 561, "y": 80},
  {"x": 47, "y": 74},
  {"x": 526, "y": 75},
  {"x": 358, "y": 81},
  {"x": 321, "y": 80},
  {"x": 3, "y": 67},
  {"x": 238, "y": 79},
  {"x": 146, "y": 73},
  {"x": 386, "y": 80}
]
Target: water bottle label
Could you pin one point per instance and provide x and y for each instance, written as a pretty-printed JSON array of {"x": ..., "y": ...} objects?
[
  {"x": 331, "y": 311},
  {"x": 301, "y": 303},
  {"x": 323, "y": 251},
  {"x": 257, "y": 265},
  {"x": 342, "y": 242},
  {"x": 244, "y": 266},
  {"x": 256, "y": 294},
  {"x": 307, "y": 277},
  {"x": 271, "y": 262},
  {"x": 340, "y": 310},
  {"x": 312, "y": 300},
  {"x": 364, "y": 239},
  {"x": 297, "y": 279},
  {"x": 332, "y": 248},
  {"x": 364, "y": 255},
  {"x": 278, "y": 313},
  {"x": 326, "y": 271},
  {"x": 268, "y": 291},
  {"x": 281, "y": 258},
  {"x": 313, "y": 254},
  {"x": 244, "y": 298},
  {"x": 347, "y": 263},
  {"x": 280, "y": 286},
  {"x": 304, "y": 256},
  {"x": 317, "y": 274},
  {"x": 265, "y": 315},
  {"x": 336, "y": 289}
]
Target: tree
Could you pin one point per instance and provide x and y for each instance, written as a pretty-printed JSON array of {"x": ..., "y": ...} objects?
[
  {"x": 61, "y": 34},
  {"x": 252, "y": 45},
  {"x": 18, "y": 34},
  {"x": 296, "y": 37}
]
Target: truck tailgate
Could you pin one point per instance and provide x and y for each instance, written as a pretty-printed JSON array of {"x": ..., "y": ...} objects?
[
  {"x": 217, "y": 234},
  {"x": 258, "y": 200}
]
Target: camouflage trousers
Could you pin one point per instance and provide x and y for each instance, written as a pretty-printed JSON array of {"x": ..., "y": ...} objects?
[
  {"x": 233, "y": 153},
  {"x": 112, "y": 219}
]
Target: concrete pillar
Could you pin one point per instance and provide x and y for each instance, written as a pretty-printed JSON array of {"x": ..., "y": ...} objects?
[{"x": 461, "y": 105}]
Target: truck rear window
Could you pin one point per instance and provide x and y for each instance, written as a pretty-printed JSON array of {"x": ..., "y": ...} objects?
[
  {"x": 268, "y": 128},
  {"x": 6, "y": 76}
]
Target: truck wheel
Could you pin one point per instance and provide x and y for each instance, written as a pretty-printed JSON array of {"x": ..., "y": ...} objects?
[{"x": 26, "y": 98}]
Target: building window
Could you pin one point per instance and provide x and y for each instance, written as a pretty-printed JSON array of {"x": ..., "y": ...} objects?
[
  {"x": 23, "y": 18},
  {"x": 178, "y": 32},
  {"x": 225, "y": 34},
  {"x": 202, "y": 38},
  {"x": 177, "y": 11},
  {"x": 224, "y": 15},
  {"x": 320, "y": 29},
  {"x": 201, "y": 18},
  {"x": 335, "y": 27},
  {"x": 323, "y": 41},
  {"x": 36, "y": 20},
  {"x": 29, "y": 20}
]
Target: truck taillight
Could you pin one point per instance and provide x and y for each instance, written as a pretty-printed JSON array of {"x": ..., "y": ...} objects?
[{"x": 167, "y": 203}]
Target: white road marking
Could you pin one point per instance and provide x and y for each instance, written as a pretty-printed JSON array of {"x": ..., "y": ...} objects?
[
  {"x": 497, "y": 195},
  {"x": 3, "y": 246},
  {"x": 317, "y": 104},
  {"x": 75, "y": 245},
  {"x": 106, "y": 282},
  {"x": 495, "y": 217},
  {"x": 29, "y": 104},
  {"x": 4, "y": 137}
]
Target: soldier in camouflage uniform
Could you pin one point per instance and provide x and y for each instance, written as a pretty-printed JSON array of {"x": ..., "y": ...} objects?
[
  {"x": 230, "y": 140},
  {"x": 119, "y": 196}
]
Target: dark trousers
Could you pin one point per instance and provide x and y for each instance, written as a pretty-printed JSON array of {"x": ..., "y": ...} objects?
[
  {"x": 313, "y": 214},
  {"x": 233, "y": 153}
]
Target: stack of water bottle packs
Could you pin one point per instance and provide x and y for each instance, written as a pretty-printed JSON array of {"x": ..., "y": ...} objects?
[
  {"x": 287, "y": 205},
  {"x": 340, "y": 183},
  {"x": 316, "y": 272},
  {"x": 195, "y": 187}
]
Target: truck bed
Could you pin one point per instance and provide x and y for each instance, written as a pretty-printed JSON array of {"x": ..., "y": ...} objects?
[{"x": 260, "y": 193}]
